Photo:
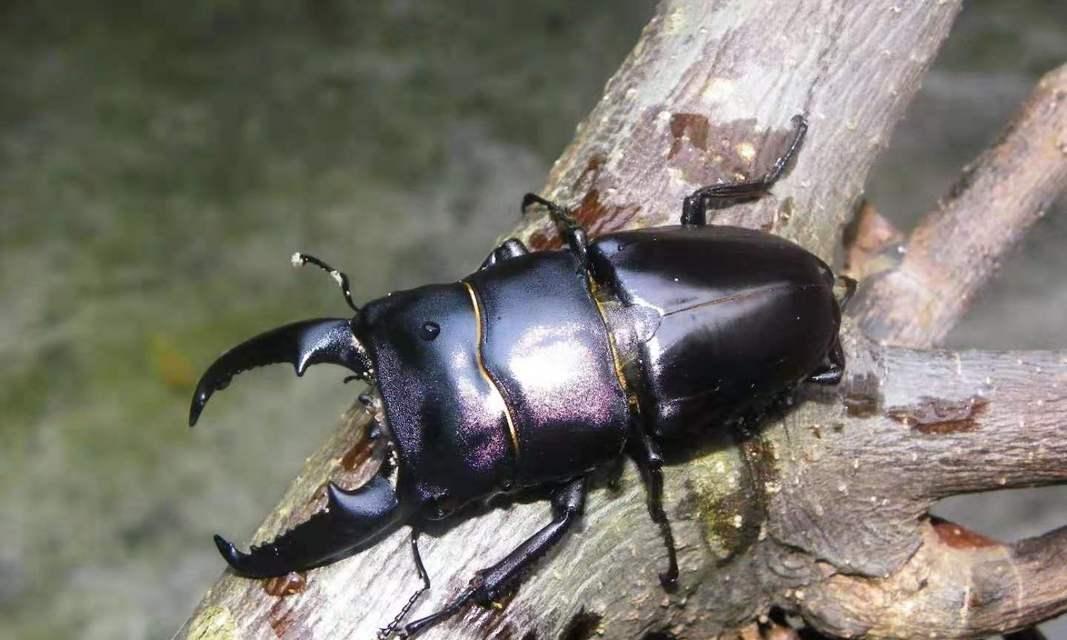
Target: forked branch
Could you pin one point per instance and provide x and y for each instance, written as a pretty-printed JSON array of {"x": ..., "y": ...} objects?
[{"x": 958, "y": 246}]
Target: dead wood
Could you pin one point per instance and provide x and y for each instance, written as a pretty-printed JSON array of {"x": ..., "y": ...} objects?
[{"x": 821, "y": 512}]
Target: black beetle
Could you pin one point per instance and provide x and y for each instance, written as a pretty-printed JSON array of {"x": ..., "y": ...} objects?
[{"x": 540, "y": 367}]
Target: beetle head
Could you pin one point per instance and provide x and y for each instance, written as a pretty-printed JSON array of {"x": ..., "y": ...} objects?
[{"x": 351, "y": 519}]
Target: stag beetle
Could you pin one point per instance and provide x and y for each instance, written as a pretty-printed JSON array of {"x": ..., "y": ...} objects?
[{"x": 540, "y": 367}]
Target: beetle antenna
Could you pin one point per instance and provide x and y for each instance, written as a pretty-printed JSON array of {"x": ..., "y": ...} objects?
[{"x": 301, "y": 259}]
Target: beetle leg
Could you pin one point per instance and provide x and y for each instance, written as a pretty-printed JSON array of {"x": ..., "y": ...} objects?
[
  {"x": 387, "y": 631},
  {"x": 511, "y": 248},
  {"x": 573, "y": 233},
  {"x": 649, "y": 459},
  {"x": 832, "y": 373},
  {"x": 557, "y": 212},
  {"x": 695, "y": 206},
  {"x": 350, "y": 520},
  {"x": 489, "y": 584}
]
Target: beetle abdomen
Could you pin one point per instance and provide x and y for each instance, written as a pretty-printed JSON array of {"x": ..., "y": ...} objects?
[
  {"x": 547, "y": 348},
  {"x": 719, "y": 318}
]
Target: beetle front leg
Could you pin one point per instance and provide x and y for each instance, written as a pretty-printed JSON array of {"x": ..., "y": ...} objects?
[
  {"x": 695, "y": 206},
  {"x": 645, "y": 452},
  {"x": 489, "y": 584},
  {"x": 388, "y": 631}
]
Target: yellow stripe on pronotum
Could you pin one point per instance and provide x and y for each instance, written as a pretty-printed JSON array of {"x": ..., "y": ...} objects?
[
  {"x": 512, "y": 431},
  {"x": 631, "y": 397}
]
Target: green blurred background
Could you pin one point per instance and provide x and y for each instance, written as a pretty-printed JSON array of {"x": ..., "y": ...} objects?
[{"x": 160, "y": 161}]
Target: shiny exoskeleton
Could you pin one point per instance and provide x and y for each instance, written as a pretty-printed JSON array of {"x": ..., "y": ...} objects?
[{"x": 540, "y": 367}]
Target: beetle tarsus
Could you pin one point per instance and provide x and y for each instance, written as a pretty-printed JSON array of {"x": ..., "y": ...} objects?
[
  {"x": 387, "y": 632},
  {"x": 695, "y": 206},
  {"x": 301, "y": 344},
  {"x": 489, "y": 584},
  {"x": 559, "y": 214},
  {"x": 350, "y": 520},
  {"x": 848, "y": 289}
]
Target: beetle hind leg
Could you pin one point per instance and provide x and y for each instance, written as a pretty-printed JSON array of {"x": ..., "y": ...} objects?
[
  {"x": 695, "y": 206},
  {"x": 573, "y": 233},
  {"x": 649, "y": 461},
  {"x": 834, "y": 370}
]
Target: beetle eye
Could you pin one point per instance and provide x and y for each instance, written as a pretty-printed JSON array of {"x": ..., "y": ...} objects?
[{"x": 430, "y": 331}]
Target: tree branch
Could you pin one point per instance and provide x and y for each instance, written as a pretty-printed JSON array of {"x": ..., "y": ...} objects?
[
  {"x": 990, "y": 420},
  {"x": 957, "y": 585},
  {"x": 958, "y": 246},
  {"x": 917, "y": 426},
  {"x": 708, "y": 93}
]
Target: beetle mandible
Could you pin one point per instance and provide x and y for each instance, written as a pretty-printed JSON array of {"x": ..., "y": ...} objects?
[{"x": 540, "y": 367}]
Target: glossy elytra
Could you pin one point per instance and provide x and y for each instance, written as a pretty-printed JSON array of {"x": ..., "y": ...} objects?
[{"x": 540, "y": 367}]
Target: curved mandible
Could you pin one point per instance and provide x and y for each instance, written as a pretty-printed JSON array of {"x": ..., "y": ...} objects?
[
  {"x": 301, "y": 344},
  {"x": 350, "y": 520}
]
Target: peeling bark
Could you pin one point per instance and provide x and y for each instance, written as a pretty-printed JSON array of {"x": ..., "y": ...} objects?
[{"x": 820, "y": 511}]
